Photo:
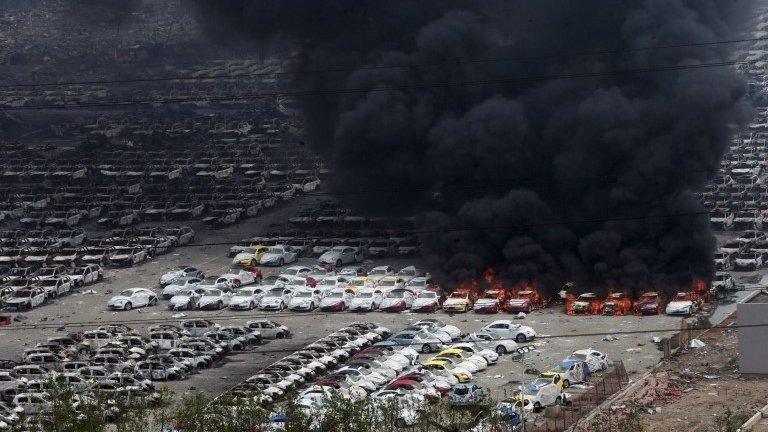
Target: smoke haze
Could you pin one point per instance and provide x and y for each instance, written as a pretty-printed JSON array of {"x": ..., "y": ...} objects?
[{"x": 469, "y": 145}]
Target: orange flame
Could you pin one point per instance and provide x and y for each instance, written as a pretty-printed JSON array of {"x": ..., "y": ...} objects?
[{"x": 620, "y": 302}]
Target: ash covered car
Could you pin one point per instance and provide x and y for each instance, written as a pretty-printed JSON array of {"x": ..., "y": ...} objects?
[
  {"x": 340, "y": 255},
  {"x": 246, "y": 298},
  {"x": 649, "y": 303},
  {"x": 279, "y": 255},
  {"x": 684, "y": 303},
  {"x": 178, "y": 272},
  {"x": 131, "y": 298},
  {"x": 366, "y": 299}
]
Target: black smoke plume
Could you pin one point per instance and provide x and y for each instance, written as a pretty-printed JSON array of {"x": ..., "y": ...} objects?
[{"x": 511, "y": 156}]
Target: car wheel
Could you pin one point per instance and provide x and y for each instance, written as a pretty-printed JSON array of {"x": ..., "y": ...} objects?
[
  {"x": 530, "y": 309},
  {"x": 219, "y": 305},
  {"x": 566, "y": 384},
  {"x": 251, "y": 306},
  {"x": 338, "y": 263},
  {"x": 536, "y": 407},
  {"x": 280, "y": 262},
  {"x": 558, "y": 401},
  {"x": 258, "y": 280},
  {"x": 372, "y": 308},
  {"x": 128, "y": 306},
  {"x": 282, "y": 306},
  {"x": 252, "y": 263},
  {"x": 311, "y": 306},
  {"x": 280, "y": 335},
  {"x": 520, "y": 338},
  {"x": 153, "y": 301},
  {"x": 501, "y": 350},
  {"x": 426, "y": 349}
]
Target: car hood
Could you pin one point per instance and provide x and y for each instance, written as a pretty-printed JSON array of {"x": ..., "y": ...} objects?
[
  {"x": 454, "y": 301},
  {"x": 271, "y": 299},
  {"x": 170, "y": 276},
  {"x": 172, "y": 288},
  {"x": 179, "y": 299},
  {"x": 209, "y": 299},
  {"x": 679, "y": 304},
  {"x": 330, "y": 256},
  {"x": 518, "y": 302},
  {"x": 17, "y": 300},
  {"x": 243, "y": 256},
  {"x": 331, "y": 301},
  {"x": 119, "y": 298},
  {"x": 240, "y": 299},
  {"x": 271, "y": 257},
  {"x": 362, "y": 300},
  {"x": 392, "y": 301},
  {"x": 424, "y": 301},
  {"x": 121, "y": 256},
  {"x": 486, "y": 302}
]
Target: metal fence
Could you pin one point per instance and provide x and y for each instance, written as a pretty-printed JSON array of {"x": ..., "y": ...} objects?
[{"x": 582, "y": 404}]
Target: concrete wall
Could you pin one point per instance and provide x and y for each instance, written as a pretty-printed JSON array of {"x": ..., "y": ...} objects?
[{"x": 753, "y": 341}]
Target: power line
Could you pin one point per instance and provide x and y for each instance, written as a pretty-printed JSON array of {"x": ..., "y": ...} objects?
[
  {"x": 302, "y": 93},
  {"x": 379, "y": 67}
]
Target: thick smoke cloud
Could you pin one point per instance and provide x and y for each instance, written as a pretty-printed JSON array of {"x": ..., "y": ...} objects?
[{"x": 513, "y": 167}]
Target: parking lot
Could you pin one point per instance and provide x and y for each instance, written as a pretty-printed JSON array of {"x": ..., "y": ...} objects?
[{"x": 88, "y": 310}]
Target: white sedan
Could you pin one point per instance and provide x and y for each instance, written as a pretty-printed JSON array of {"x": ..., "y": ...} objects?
[
  {"x": 214, "y": 299},
  {"x": 367, "y": 299},
  {"x": 596, "y": 360},
  {"x": 279, "y": 255},
  {"x": 241, "y": 277},
  {"x": 493, "y": 342},
  {"x": 305, "y": 300},
  {"x": 510, "y": 330},
  {"x": 246, "y": 298},
  {"x": 131, "y": 298}
]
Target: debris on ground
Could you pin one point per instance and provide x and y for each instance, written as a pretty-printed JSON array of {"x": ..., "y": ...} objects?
[
  {"x": 697, "y": 343},
  {"x": 532, "y": 371},
  {"x": 610, "y": 338},
  {"x": 20, "y": 317},
  {"x": 520, "y": 315},
  {"x": 179, "y": 315}
]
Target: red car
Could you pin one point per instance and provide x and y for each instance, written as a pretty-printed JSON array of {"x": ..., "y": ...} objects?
[{"x": 411, "y": 385}]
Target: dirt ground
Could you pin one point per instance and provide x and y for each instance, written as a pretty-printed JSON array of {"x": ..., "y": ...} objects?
[{"x": 693, "y": 390}]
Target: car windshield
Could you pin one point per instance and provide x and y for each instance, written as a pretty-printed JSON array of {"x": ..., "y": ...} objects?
[
  {"x": 530, "y": 391},
  {"x": 335, "y": 294},
  {"x": 175, "y": 269},
  {"x": 338, "y": 248},
  {"x": 328, "y": 281},
  {"x": 48, "y": 282},
  {"x": 212, "y": 293},
  {"x": 418, "y": 282},
  {"x": 269, "y": 280},
  {"x": 357, "y": 282},
  {"x": 22, "y": 294},
  {"x": 387, "y": 282},
  {"x": 245, "y": 292},
  {"x": 428, "y": 295},
  {"x": 291, "y": 271},
  {"x": 365, "y": 295},
  {"x": 407, "y": 272},
  {"x": 126, "y": 293},
  {"x": 396, "y": 294},
  {"x": 581, "y": 357},
  {"x": 210, "y": 280},
  {"x": 275, "y": 292},
  {"x": 303, "y": 294},
  {"x": 275, "y": 250},
  {"x": 458, "y": 295},
  {"x": 379, "y": 271}
]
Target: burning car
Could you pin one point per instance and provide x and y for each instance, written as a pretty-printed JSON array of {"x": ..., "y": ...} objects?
[
  {"x": 585, "y": 304},
  {"x": 459, "y": 301},
  {"x": 684, "y": 303},
  {"x": 617, "y": 304},
  {"x": 490, "y": 301},
  {"x": 649, "y": 303}
]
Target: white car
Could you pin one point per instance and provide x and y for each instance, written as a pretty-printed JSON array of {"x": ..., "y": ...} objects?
[
  {"x": 388, "y": 283},
  {"x": 330, "y": 283},
  {"x": 87, "y": 274},
  {"x": 240, "y": 277},
  {"x": 269, "y": 329},
  {"x": 493, "y": 342},
  {"x": 418, "y": 283},
  {"x": 397, "y": 300},
  {"x": 723, "y": 281},
  {"x": 426, "y": 301},
  {"x": 179, "y": 285},
  {"x": 336, "y": 300},
  {"x": 246, "y": 298},
  {"x": 213, "y": 299},
  {"x": 216, "y": 282},
  {"x": 305, "y": 300},
  {"x": 379, "y": 272},
  {"x": 340, "y": 255},
  {"x": 185, "y": 299},
  {"x": 131, "y": 298},
  {"x": 511, "y": 330},
  {"x": 539, "y": 394},
  {"x": 367, "y": 299},
  {"x": 489, "y": 355},
  {"x": 279, "y": 255},
  {"x": 410, "y": 272},
  {"x": 26, "y": 299},
  {"x": 276, "y": 299},
  {"x": 431, "y": 323},
  {"x": 295, "y": 271},
  {"x": 596, "y": 360},
  {"x": 682, "y": 305}
]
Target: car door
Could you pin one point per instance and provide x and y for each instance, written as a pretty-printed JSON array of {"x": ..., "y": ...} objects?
[
  {"x": 140, "y": 298},
  {"x": 39, "y": 298}
]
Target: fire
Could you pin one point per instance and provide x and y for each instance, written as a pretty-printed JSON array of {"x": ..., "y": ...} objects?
[
  {"x": 617, "y": 304},
  {"x": 584, "y": 304}
]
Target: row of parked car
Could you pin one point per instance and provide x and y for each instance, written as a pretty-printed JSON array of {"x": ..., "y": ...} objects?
[
  {"x": 747, "y": 252},
  {"x": 113, "y": 362},
  {"x": 329, "y": 251},
  {"x": 24, "y": 288}
]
